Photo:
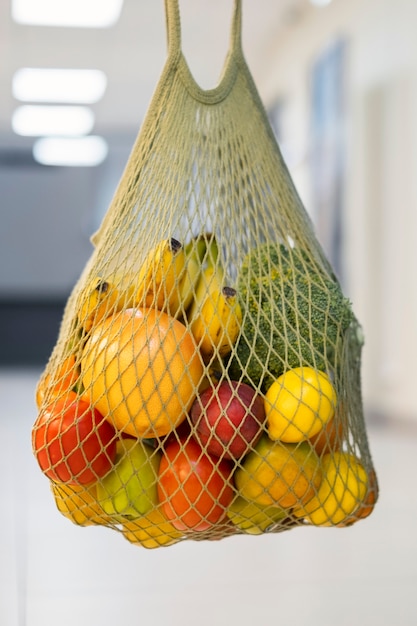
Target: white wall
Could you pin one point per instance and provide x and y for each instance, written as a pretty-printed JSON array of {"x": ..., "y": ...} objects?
[{"x": 380, "y": 221}]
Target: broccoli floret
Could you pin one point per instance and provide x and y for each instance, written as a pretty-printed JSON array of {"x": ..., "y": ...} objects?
[{"x": 293, "y": 314}]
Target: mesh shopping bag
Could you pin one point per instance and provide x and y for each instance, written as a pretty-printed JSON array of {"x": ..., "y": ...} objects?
[{"x": 206, "y": 377}]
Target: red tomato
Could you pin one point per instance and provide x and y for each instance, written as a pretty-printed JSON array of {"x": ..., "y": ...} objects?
[
  {"x": 194, "y": 489},
  {"x": 73, "y": 443}
]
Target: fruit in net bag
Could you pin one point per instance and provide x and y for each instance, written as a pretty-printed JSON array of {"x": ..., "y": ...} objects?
[
  {"x": 129, "y": 489},
  {"x": 299, "y": 404},
  {"x": 73, "y": 443},
  {"x": 228, "y": 419},
  {"x": 142, "y": 369},
  {"x": 279, "y": 474},
  {"x": 341, "y": 492},
  {"x": 194, "y": 488}
]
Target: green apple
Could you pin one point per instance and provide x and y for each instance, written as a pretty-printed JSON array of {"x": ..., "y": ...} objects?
[
  {"x": 130, "y": 488},
  {"x": 254, "y": 518}
]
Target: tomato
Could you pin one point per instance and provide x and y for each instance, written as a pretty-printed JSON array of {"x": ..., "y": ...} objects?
[
  {"x": 194, "y": 489},
  {"x": 72, "y": 442}
]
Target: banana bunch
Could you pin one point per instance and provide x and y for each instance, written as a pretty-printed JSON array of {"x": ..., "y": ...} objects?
[
  {"x": 102, "y": 297},
  {"x": 215, "y": 315},
  {"x": 187, "y": 282}
]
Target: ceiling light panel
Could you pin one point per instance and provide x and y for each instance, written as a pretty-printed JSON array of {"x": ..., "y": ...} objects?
[
  {"x": 35, "y": 120},
  {"x": 321, "y": 3},
  {"x": 67, "y": 13},
  {"x": 59, "y": 85},
  {"x": 70, "y": 152}
]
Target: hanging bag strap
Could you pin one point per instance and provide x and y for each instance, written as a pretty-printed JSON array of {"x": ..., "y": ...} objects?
[
  {"x": 175, "y": 54},
  {"x": 173, "y": 22},
  {"x": 176, "y": 64}
]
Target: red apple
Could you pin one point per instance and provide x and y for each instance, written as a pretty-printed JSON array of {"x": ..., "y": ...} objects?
[{"x": 228, "y": 419}]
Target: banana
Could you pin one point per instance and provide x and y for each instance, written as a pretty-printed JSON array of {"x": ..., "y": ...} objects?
[
  {"x": 159, "y": 278},
  {"x": 215, "y": 315},
  {"x": 194, "y": 253},
  {"x": 100, "y": 298},
  {"x": 217, "y": 324},
  {"x": 211, "y": 277}
]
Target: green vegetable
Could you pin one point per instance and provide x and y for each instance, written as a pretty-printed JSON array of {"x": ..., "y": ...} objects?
[{"x": 294, "y": 314}]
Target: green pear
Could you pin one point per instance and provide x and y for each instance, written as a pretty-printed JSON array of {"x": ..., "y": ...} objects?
[
  {"x": 254, "y": 518},
  {"x": 130, "y": 488}
]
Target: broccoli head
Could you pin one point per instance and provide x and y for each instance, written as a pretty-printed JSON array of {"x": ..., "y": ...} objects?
[{"x": 293, "y": 314}]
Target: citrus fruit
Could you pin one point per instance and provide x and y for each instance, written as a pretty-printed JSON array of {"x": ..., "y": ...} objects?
[
  {"x": 59, "y": 382},
  {"x": 298, "y": 404},
  {"x": 142, "y": 369},
  {"x": 253, "y": 518},
  {"x": 342, "y": 490},
  {"x": 367, "y": 506},
  {"x": 151, "y": 531},
  {"x": 279, "y": 474},
  {"x": 79, "y": 504},
  {"x": 329, "y": 438}
]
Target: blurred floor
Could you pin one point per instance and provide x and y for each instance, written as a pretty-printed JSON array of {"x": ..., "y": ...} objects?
[{"x": 53, "y": 573}]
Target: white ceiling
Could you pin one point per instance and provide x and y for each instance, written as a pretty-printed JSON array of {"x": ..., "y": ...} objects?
[{"x": 132, "y": 53}]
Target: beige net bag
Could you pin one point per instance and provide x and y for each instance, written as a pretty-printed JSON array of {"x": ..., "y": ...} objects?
[{"x": 206, "y": 377}]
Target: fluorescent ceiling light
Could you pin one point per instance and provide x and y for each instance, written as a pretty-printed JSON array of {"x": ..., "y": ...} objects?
[
  {"x": 70, "y": 152},
  {"x": 58, "y": 85},
  {"x": 71, "y": 13},
  {"x": 34, "y": 120},
  {"x": 320, "y": 3}
]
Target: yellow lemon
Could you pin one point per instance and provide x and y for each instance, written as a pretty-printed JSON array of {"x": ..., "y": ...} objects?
[
  {"x": 279, "y": 474},
  {"x": 151, "y": 531},
  {"x": 342, "y": 491},
  {"x": 253, "y": 518},
  {"x": 299, "y": 404},
  {"x": 79, "y": 504}
]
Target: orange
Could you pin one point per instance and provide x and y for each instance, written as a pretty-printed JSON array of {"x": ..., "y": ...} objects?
[
  {"x": 79, "y": 504},
  {"x": 279, "y": 474},
  {"x": 59, "y": 382},
  {"x": 329, "y": 438},
  {"x": 142, "y": 370}
]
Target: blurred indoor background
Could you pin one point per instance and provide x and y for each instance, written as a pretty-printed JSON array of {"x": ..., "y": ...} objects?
[{"x": 338, "y": 79}]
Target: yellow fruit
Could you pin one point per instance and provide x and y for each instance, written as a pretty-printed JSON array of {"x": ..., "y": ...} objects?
[
  {"x": 279, "y": 474},
  {"x": 217, "y": 323},
  {"x": 79, "y": 504},
  {"x": 151, "y": 531},
  {"x": 253, "y": 518},
  {"x": 299, "y": 404},
  {"x": 101, "y": 298},
  {"x": 142, "y": 370},
  {"x": 367, "y": 506},
  {"x": 58, "y": 383},
  {"x": 329, "y": 438},
  {"x": 341, "y": 493},
  {"x": 160, "y": 277}
]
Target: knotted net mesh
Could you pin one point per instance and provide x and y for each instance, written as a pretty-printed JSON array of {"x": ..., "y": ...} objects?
[{"x": 206, "y": 377}]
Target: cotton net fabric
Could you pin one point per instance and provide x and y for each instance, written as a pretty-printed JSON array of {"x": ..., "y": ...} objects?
[{"x": 206, "y": 167}]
